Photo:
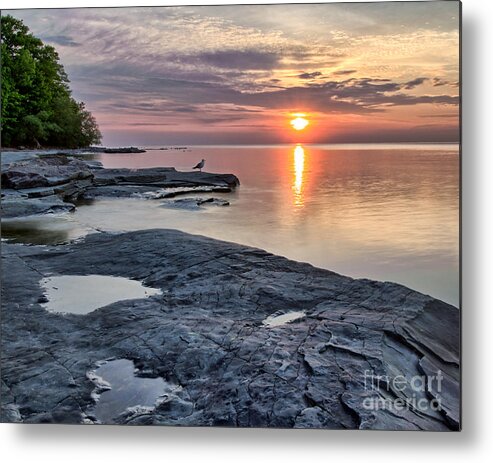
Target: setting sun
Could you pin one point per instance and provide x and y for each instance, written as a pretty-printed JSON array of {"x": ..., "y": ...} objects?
[{"x": 299, "y": 122}]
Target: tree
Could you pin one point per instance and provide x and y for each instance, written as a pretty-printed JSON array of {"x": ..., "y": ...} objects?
[{"x": 37, "y": 105}]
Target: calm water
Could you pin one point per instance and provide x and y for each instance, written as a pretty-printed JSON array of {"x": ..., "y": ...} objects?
[
  {"x": 386, "y": 212},
  {"x": 127, "y": 390},
  {"x": 63, "y": 292}
]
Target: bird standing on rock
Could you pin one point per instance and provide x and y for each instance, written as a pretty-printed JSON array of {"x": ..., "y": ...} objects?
[{"x": 200, "y": 165}]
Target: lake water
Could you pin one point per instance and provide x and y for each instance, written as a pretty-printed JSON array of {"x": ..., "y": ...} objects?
[{"x": 385, "y": 212}]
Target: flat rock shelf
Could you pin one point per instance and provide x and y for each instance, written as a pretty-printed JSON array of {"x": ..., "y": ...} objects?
[
  {"x": 42, "y": 183},
  {"x": 205, "y": 336}
]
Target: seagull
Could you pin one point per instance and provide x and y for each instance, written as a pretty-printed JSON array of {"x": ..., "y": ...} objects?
[{"x": 200, "y": 165}]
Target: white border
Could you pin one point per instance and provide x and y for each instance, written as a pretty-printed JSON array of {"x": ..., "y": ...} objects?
[{"x": 74, "y": 444}]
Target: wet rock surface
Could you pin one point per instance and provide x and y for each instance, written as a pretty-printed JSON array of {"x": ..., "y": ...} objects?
[
  {"x": 163, "y": 177},
  {"x": 19, "y": 207},
  {"x": 193, "y": 204},
  {"x": 205, "y": 335},
  {"x": 180, "y": 191},
  {"x": 63, "y": 178},
  {"x": 44, "y": 171}
]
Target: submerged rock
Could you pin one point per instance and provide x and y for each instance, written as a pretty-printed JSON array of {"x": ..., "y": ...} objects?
[
  {"x": 179, "y": 191},
  {"x": 205, "y": 335},
  {"x": 194, "y": 203}
]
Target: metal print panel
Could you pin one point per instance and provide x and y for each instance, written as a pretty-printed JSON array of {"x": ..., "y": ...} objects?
[{"x": 241, "y": 215}]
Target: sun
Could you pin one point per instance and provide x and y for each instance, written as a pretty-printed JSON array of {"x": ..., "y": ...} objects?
[{"x": 299, "y": 122}]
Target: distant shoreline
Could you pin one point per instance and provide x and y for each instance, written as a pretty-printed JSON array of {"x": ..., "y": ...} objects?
[{"x": 101, "y": 149}]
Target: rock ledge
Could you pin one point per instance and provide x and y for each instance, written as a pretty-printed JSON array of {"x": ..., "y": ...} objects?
[{"x": 205, "y": 334}]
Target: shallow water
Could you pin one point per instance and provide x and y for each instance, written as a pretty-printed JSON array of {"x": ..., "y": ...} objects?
[
  {"x": 127, "y": 390},
  {"x": 83, "y": 294},
  {"x": 46, "y": 229},
  {"x": 385, "y": 212}
]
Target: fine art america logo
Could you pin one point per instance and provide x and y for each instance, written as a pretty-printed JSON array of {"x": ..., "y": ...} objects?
[{"x": 417, "y": 392}]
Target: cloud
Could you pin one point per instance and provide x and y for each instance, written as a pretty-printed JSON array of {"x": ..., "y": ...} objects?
[
  {"x": 440, "y": 116},
  {"x": 192, "y": 65},
  {"x": 352, "y": 96},
  {"x": 437, "y": 82},
  {"x": 310, "y": 75},
  {"x": 149, "y": 124},
  {"x": 63, "y": 40},
  {"x": 407, "y": 100},
  {"x": 232, "y": 59},
  {"x": 415, "y": 83},
  {"x": 344, "y": 72}
]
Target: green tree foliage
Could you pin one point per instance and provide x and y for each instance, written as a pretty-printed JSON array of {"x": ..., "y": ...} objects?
[{"x": 37, "y": 106}]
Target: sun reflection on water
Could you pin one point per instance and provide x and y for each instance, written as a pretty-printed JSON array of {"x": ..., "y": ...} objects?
[{"x": 299, "y": 167}]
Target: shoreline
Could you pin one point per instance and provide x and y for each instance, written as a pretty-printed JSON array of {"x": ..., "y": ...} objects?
[
  {"x": 313, "y": 367},
  {"x": 209, "y": 333},
  {"x": 164, "y": 184},
  {"x": 52, "y": 182}
]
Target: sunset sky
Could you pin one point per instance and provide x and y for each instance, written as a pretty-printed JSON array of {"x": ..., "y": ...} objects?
[{"x": 368, "y": 72}]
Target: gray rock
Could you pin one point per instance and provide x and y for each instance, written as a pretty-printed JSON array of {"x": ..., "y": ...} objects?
[
  {"x": 22, "y": 207},
  {"x": 73, "y": 190},
  {"x": 180, "y": 191},
  {"x": 66, "y": 176},
  {"x": 44, "y": 171},
  {"x": 205, "y": 334},
  {"x": 117, "y": 191},
  {"x": 194, "y": 203},
  {"x": 8, "y": 158},
  {"x": 163, "y": 177},
  {"x": 52, "y": 176},
  {"x": 131, "y": 176},
  {"x": 39, "y": 192}
]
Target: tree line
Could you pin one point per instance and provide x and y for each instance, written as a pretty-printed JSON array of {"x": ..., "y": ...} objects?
[{"x": 37, "y": 105}]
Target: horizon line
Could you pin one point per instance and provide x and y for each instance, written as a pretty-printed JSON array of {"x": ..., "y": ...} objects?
[{"x": 185, "y": 145}]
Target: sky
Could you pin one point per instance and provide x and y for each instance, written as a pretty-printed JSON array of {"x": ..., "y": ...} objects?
[{"x": 361, "y": 72}]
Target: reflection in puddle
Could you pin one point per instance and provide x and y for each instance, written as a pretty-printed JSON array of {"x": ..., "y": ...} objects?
[
  {"x": 121, "y": 389},
  {"x": 83, "y": 294},
  {"x": 278, "y": 320}
]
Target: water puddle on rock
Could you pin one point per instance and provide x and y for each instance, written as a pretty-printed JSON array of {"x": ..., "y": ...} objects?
[
  {"x": 117, "y": 389},
  {"x": 278, "y": 320},
  {"x": 83, "y": 294}
]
